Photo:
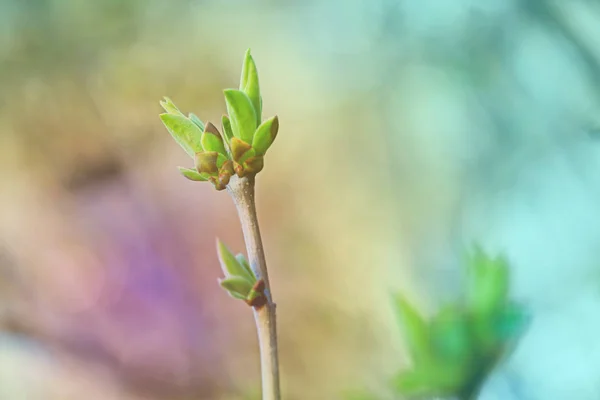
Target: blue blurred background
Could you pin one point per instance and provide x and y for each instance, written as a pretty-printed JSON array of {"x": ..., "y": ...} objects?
[{"x": 409, "y": 130}]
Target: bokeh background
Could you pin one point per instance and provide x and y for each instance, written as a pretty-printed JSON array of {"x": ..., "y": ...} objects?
[{"x": 409, "y": 130}]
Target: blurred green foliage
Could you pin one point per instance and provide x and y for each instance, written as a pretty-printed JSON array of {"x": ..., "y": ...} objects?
[{"x": 454, "y": 351}]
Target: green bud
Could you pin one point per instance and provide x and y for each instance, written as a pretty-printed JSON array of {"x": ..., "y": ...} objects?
[
  {"x": 196, "y": 120},
  {"x": 265, "y": 135},
  {"x": 237, "y": 287},
  {"x": 206, "y": 162},
  {"x": 249, "y": 84},
  {"x": 170, "y": 107},
  {"x": 212, "y": 140},
  {"x": 240, "y": 150},
  {"x": 225, "y": 172},
  {"x": 415, "y": 328},
  {"x": 239, "y": 170},
  {"x": 217, "y": 183},
  {"x": 256, "y": 297},
  {"x": 231, "y": 266},
  {"x": 241, "y": 113},
  {"x": 192, "y": 174},
  {"x": 254, "y": 165},
  {"x": 185, "y": 132}
]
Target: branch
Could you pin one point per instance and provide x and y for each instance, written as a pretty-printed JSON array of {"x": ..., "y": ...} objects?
[{"x": 242, "y": 192}]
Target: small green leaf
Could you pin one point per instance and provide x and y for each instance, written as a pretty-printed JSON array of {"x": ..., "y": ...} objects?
[
  {"x": 196, "y": 121},
  {"x": 237, "y": 287},
  {"x": 249, "y": 84},
  {"x": 511, "y": 322},
  {"x": 415, "y": 329},
  {"x": 231, "y": 266},
  {"x": 212, "y": 141},
  {"x": 488, "y": 286},
  {"x": 227, "y": 132},
  {"x": 483, "y": 327},
  {"x": 241, "y": 113},
  {"x": 184, "y": 131},
  {"x": 192, "y": 174},
  {"x": 265, "y": 135},
  {"x": 450, "y": 336},
  {"x": 170, "y": 107},
  {"x": 244, "y": 263}
]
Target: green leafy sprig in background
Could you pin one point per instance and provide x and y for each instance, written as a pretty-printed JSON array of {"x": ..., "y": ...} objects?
[{"x": 454, "y": 351}]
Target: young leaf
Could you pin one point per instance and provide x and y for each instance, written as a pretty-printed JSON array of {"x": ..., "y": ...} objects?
[
  {"x": 192, "y": 174},
  {"x": 237, "y": 287},
  {"x": 221, "y": 160},
  {"x": 184, "y": 131},
  {"x": 170, "y": 107},
  {"x": 450, "y": 336},
  {"x": 265, "y": 135},
  {"x": 240, "y": 150},
  {"x": 415, "y": 329},
  {"x": 197, "y": 121},
  {"x": 488, "y": 289},
  {"x": 242, "y": 114},
  {"x": 227, "y": 132},
  {"x": 249, "y": 84},
  {"x": 244, "y": 77},
  {"x": 206, "y": 162},
  {"x": 212, "y": 141},
  {"x": 244, "y": 263},
  {"x": 231, "y": 266}
]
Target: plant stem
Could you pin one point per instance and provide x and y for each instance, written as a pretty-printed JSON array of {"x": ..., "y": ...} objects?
[{"x": 242, "y": 191}]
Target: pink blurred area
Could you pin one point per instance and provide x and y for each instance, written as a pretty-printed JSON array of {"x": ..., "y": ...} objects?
[{"x": 108, "y": 273}]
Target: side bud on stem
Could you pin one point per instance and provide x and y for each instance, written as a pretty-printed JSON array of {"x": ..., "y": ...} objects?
[{"x": 240, "y": 282}]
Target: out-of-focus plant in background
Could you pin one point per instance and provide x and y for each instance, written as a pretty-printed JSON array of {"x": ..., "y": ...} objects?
[
  {"x": 455, "y": 351},
  {"x": 412, "y": 129}
]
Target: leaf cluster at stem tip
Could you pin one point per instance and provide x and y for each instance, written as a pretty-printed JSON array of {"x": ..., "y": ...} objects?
[
  {"x": 454, "y": 351},
  {"x": 239, "y": 148}
]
